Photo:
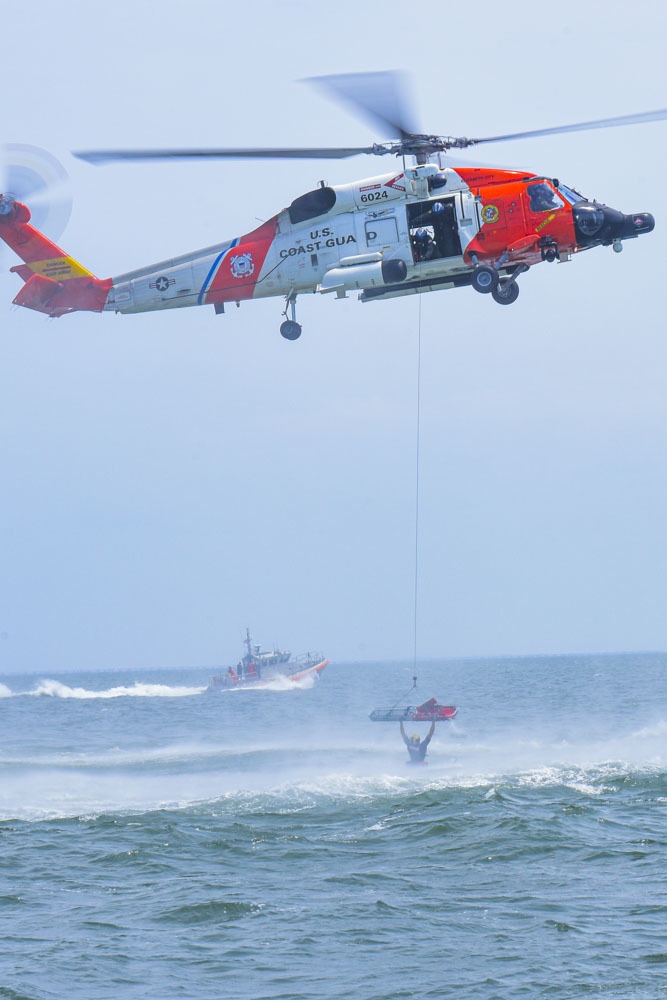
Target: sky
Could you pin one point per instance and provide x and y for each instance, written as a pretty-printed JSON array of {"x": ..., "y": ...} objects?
[{"x": 169, "y": 478}]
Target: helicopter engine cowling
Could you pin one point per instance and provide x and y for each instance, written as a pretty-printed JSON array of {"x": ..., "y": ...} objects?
[{"x": 363, "y": 275}]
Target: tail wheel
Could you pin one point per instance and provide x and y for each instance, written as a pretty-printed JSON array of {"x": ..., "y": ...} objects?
[
  {"x": 484, "y": 279},
  {"x": 506, "y": 292}
]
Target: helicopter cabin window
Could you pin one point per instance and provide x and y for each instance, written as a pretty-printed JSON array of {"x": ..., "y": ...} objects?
[
  {"x": 381, "y": 232},
  {"x": 312, "y": 204},
  {"x": 543, "y": 198},
  {"x": 434, "y": 231}
]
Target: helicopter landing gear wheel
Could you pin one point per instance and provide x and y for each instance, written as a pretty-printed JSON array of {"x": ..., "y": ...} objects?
[
  {"x": 484, "y": 279},
  {"x": 290, "y": 330},
  {"x": 506, "y": 292}
]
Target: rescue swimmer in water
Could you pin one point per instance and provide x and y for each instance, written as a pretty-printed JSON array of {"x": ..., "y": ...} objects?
[{"x": 417, "y": 747}]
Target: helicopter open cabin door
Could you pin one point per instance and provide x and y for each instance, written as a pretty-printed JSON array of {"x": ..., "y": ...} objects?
[{"x": 434, "y": 230}]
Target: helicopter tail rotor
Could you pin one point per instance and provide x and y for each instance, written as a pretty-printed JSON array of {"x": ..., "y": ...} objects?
[
  {"x": 31, "y": 176},
  {"x": 34, "y": 209}
]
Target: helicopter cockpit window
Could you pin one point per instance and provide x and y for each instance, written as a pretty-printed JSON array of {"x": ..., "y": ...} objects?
[
  {"x": 312, "y": 204},
  {"x": 572, "y": 196},
  {"x": 543, "y": 198}
]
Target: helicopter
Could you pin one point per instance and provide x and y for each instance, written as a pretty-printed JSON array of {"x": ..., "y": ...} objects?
[{"x": 420, "y": 227}]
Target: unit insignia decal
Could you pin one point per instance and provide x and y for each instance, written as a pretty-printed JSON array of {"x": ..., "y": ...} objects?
[
  {"x": 242, "y": 265},
  {"x": 490, "y": 213}
]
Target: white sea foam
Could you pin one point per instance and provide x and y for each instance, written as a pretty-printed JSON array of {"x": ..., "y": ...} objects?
[
  {"x": 117, "y": 758},
  {"x": 74, "y": 787},
  {"x": 5, "y": 692},
  {"x": 658, "y": 729},
  {"x": 55, "y": 689},
  {"x": 55, "y": 794},
  {"x": 281, "y": 682}
]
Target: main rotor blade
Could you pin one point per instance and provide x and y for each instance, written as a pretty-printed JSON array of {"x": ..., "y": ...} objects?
[
  {"x": 638, "y": 119},
  {"x": 380, "y": 96},
  {"x": 101, "y": 156}
]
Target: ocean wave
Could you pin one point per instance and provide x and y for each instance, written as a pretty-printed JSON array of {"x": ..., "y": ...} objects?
[
  {"x": 227, "y": 778},
  {"x": 658, "y": 729},
  {"x": 69, "y": 793},
  {"x": 211, "y": 911},
  {"x": 117, "y": 758}
]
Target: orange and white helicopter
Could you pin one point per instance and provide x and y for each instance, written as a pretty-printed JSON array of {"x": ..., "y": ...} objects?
[{"x": 417, "y": 228}]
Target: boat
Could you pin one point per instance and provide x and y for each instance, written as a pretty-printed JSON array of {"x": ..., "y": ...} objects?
[
  {"x": 259, "y": 666},
  {"x": 430, "y": 711}
]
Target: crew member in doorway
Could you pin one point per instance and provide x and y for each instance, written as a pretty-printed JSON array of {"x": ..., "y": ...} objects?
[
  {"x": 445, "y": 230},
  {"x": 417, "y": 748},
  {"x": 424, "y": 247}
]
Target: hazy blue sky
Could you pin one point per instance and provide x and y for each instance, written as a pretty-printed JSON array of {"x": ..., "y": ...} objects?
[{"x": 169, "y": 478}]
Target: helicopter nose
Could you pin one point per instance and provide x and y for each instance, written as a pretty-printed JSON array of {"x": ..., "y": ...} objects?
[
  {"x": 640, "y": 222},
  {"x": 599, "y": 224}
]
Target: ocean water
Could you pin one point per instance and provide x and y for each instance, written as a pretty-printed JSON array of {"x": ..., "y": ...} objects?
[{"x": 159, "y": 842}]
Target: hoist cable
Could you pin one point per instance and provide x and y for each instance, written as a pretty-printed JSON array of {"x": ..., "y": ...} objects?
[
  {"x": 417, "y": 457},
  {"x": 415, "y": 593}
]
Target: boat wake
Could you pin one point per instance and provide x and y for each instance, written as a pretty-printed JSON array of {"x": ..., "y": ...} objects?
[
  {"x": 55, "y": 689},
  {"x": 281, "y": 682}
]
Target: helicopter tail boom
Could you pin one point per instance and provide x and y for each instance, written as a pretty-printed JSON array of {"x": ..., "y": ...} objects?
[{"x": 55, "y": 283}]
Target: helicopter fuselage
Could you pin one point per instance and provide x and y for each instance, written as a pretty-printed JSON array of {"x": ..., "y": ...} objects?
[
  {"x": 421, "y": 229},
  {"x": 394, "y": 234}
]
